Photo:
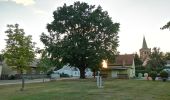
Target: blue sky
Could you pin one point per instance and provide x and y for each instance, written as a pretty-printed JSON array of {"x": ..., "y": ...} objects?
[{"x": 137, "y": 18}]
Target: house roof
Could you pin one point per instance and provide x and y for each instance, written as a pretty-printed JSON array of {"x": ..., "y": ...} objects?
[{"x": 123, "y": 60}]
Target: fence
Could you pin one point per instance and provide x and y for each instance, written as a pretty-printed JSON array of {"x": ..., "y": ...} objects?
[{"x": 26, "y": 76}]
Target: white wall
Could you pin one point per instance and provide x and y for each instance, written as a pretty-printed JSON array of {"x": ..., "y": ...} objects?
[{"x": 69, "y": 70}]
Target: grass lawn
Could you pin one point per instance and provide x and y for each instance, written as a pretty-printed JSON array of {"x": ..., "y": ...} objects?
[{"x": 87, "y": 90}]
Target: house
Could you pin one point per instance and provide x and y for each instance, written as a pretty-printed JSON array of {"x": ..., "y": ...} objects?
[
  {"x": 73, "y": 71},
  {"x": 124, "y": 67},
  {"x": 7, "y": 71}
]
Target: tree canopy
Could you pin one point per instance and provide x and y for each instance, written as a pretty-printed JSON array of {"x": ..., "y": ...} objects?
[
  {"x": 167, "y": 26},
  {"x": 19, "y": 51},
  {"x": 45, "y": 62},
  {"x": 157, "y": 60},
  {"x": 137, "y": 60},
  {"x": 81, "y": 35},
  {"x": 167, "y": 56}
]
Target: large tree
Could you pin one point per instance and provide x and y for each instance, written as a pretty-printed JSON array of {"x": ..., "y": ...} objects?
[
  {"x": 81, "y": 35},
  {"x": 167, "y": 26},
  {"x": 167, "y": 56},
  {"x": 19, "y": 51}
]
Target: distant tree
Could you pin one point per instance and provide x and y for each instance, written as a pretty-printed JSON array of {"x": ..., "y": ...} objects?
[
  {"x": 45, "y": 62},
  {"x": 167, "y": 26},
  {"x": 81, "y": 35},
  {"x": 157, "y": 61},
  {"x": 1, "y": 57},
  {"x": 19, "y": 51},
  {"x": 167, "y": 56},
  {"x": 137, "y": 60}
]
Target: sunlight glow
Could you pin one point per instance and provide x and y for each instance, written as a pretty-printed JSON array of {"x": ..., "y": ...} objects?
[{"x": 104, "y": 63}]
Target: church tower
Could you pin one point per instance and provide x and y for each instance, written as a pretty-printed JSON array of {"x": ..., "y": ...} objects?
[{"x": 144, "y": 51}]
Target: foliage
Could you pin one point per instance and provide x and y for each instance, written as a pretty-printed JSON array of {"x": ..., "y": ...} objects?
[
  {"x": 64, "y": 75},
  {"x": 164, "y": 74},
  {"x": 167, "y": 26},
  {"x": 81, "y": 35},
  {"x": 137, "y": 60},
  {"x": 153, "y": 74},
  {"x": 167, "y": 56},
  {"x": 11, "y": 77},
  {"x": 157, "y": 61},
  {"x": 49, "y": 73},
  {"x": 45, "y": 63},
  {"x": 1, "y": 57},
  {"x": 19, "y": 51},
  {"x": 140, "y": 69}
]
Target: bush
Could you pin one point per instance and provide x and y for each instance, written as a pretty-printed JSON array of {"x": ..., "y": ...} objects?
[
  {"x": 64, "y": 75},
  {"x": 164, "y": 74},
  {"x": 49, "y": 73},
  {"x": 140, "y": 71},
  {"x": 153, "y": 74},
  {"x": 11, "y": 77}
]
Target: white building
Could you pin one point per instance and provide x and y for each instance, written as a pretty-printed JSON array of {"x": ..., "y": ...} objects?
[{"x": 73, "y": 71}]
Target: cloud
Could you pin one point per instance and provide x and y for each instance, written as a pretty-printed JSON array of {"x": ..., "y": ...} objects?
[
  {"x": 3, "y": 0},
  {"x": 22, "y": 2}
]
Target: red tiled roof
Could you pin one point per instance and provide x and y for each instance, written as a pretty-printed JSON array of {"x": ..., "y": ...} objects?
[{"x": 124, "y": 60}]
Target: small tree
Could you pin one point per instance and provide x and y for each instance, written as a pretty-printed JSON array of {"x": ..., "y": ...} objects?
[
  {"x": 156, "y": 61},
  {"x": 19, "y": 51},
  {"x": 137, "y": 60},
  {"x": 1, "y": 57},
  {"x": 45, "y": 62}
]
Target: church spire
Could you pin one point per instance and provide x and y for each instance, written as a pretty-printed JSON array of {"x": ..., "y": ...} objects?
[{"x": 144, "y": 45}]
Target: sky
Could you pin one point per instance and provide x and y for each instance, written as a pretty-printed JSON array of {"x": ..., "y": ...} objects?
[{"x": 137, "y": 18}]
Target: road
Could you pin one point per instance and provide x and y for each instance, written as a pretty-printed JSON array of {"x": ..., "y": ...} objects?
[{"x": 8, "y": 82}]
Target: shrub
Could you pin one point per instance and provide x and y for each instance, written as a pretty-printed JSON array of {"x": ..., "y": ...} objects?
[
  {"x": 153, "y": 74},
  {"x": 11, "y": 77},
  {"x": 49, "y": 73},
  {"x": 164, "y": 74},
  {"x": 64, "y": 75}
]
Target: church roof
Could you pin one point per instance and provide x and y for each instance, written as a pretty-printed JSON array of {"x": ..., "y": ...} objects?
[{"x": 144, "y": 45}]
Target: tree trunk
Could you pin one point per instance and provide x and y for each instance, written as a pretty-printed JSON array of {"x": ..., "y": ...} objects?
[
  {"x": 23, "y": 81},
  {"x": 82, "y": 72},
  {"x": 94, "y": 73}
]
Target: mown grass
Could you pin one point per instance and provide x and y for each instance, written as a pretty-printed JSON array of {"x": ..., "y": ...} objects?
[{"x": 87, "y": 90}]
